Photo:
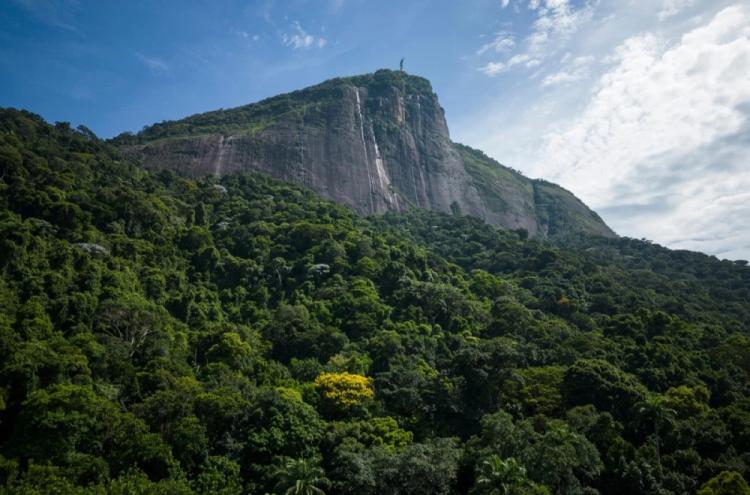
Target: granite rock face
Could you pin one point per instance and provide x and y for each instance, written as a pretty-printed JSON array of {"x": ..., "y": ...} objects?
[{"x": 376, "y": 142}]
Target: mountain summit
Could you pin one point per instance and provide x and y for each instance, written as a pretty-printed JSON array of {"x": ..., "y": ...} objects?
[{"x": 376, "y": 142}]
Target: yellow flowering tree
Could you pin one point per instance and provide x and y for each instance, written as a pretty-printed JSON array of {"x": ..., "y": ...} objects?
[{"x": 344, "y": 390}]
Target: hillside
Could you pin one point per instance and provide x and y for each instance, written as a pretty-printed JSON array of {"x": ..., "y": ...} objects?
[
  {"x": 164, "y": 334},
  {"x": 377, "y": 142}
]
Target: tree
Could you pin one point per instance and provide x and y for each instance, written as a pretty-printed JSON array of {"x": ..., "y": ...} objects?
[
  {"x": 561, "y": 459},
  {"x": 294, "y": 332},
  {"x": 372, "y": 432},
  {"x": 60, "y": 423},
  {"x": 725, "y": 483},
  {"x": 551, "y": 453},
  {"x": 598, "y": 382},
  {"x": 300, "y": 477},
  {"x": 282, "y": 426},
  {"x": 655, "y": 409},
  {"x": 218, "y": 475},
  {"x": 231, "y": 350},
  {"x": 131, "y": 322},
  {"x": 428, "y": 468},
  {"x": 345, "y": 390},
  {"x": 504, "y": 477}
]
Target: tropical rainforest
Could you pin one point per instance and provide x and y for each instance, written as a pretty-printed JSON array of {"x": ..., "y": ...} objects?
[{"x": 160, "y": 334}]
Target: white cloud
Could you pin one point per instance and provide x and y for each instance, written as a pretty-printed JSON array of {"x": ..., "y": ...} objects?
[
  {"x": 504, "y": 3},
  {"x": 533, "y": 62},
  {"x": 671, "y": 8},
  {"x": 502, "y": 42},
  {"x": 519, "y": 59},
  {"x": 574, "y": 70},
  {"x": 493, "y": 68},
  {"x": 300, "y": 39},
  {"x": 583, "y": 60},
  {"x": 661, "y": 147},
  {"x": 556, "y": 21},
  {"x": 156, "y": 65},
  {"x": 524, "y": 59},
  {"x": 562, "y": 77},
  {"x": 245, "y": 35}
]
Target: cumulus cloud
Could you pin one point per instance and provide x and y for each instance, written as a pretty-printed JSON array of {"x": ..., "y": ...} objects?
[
  {"x": 661, "y": 148},
  {"x": 298, "y": 38},
  {"x": 698, "y": 199}
]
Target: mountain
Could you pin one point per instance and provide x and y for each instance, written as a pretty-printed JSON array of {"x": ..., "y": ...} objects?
[{"x": 377, "y": 142}]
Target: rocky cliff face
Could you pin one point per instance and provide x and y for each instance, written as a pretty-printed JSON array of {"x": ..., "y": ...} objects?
[{"x": 376, "y": 142}]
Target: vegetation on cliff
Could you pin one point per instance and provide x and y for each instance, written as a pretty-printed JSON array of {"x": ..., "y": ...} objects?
[{"x": 260, "y": 114}]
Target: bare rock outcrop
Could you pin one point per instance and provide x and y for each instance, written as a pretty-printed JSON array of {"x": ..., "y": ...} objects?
[{"x": 377, "y": 142}]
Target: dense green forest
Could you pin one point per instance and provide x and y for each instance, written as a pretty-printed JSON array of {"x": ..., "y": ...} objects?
[{"x": 166, "y": 335}]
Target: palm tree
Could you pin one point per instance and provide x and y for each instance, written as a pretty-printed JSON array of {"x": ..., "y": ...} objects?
[
  {"x": 300, "y": 477},
  {"x": 655, "y": 408},
  {"x": 500, "y": 476}
]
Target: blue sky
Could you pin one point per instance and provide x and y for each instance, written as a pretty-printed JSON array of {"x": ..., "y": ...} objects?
[
  {"x": 118, "y": 66},
  {"x": 640, "y": 107}
]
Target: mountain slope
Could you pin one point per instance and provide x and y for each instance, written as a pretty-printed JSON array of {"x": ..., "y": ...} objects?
[
  {"x": 162, "y": 334},
  {"x": 540, "y": 207},
  {"x": 377, "y": 142}
]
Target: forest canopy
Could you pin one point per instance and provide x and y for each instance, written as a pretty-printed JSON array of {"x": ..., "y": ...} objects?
[{"x": 160, "y": 334}]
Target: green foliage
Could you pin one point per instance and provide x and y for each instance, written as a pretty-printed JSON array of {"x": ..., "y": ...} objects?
[
  {"x": 300, "y": 477},
  {"x": 160, "y": 334},
  {"x": 425, "y": 468},
  {"x": 256, "y": 117},
  {"x": 219, "y": 475},
  {"x": 540, "y": 392},
  {"x": 363, "y": 434},
  {"x": 557, "y": 211},
  {"x": 725, "y": 483},
  {"x": 602, "y": 384},
  {"x": 504, "y": 477},
  {"x": 548, "y": 451},
  {"x": 60, "y": 423}
]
